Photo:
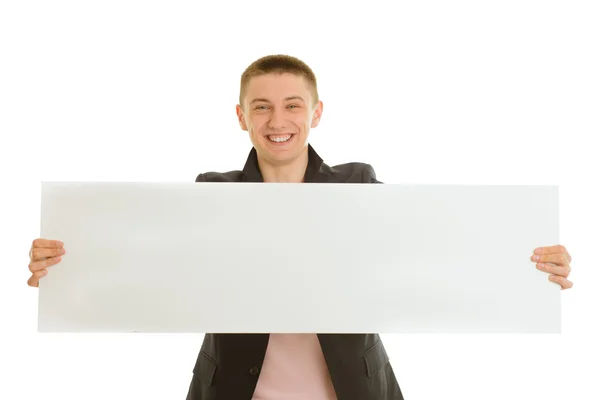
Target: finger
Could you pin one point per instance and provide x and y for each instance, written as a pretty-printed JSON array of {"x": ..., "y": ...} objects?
[
  {"x": 558, "y": 259},
  {"x": 553, "y": 250},
  {"x": 47, "y": 243},
  {"x": 34, "y": 280},
  {"x": 43, "y": 253},
  {"x": 562, "y": 281},
  {"x": 554, "y": 269},
  {"x": 40, "y": 265},
  {"x": 549, "y": 249}
]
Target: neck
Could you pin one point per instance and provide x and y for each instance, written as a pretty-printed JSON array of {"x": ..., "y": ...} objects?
[{"x": 291, "y": 172}]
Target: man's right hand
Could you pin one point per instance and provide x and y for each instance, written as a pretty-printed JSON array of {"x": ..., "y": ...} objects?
[{"x": 43, "y": 254}]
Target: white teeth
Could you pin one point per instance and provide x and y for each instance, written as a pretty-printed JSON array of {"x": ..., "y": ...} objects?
[{"x": 279, "y": 139}]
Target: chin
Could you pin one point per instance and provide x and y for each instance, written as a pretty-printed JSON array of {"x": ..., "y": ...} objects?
[{"x": 283, "y": 156}]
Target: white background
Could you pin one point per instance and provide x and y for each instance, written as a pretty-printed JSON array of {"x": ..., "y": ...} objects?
[{"x": 473, "y": 92}]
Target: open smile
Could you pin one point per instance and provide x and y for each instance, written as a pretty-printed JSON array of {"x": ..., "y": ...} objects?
[{"x": 280, "y": 138}]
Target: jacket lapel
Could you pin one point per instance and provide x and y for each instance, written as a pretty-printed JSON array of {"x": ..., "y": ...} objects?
[{"x": 252, "y": 172}]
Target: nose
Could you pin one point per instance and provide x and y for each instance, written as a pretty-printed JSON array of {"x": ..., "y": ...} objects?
[{"x": 277, "y": 120}]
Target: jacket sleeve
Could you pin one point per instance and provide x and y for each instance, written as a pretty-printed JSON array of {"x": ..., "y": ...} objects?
[{"x": 369, "y": 175}]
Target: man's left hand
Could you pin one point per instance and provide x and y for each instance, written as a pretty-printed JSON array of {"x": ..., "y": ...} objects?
[{"x": 557, "y": 262}]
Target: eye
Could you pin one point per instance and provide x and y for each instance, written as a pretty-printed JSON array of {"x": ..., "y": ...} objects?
[
  {"x": 293, "y": 106},
  {"x": 263, "y": 107}
]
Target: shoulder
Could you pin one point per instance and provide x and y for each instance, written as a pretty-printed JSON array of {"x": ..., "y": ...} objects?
[
  {"x": 351, "y": 172},
  {"x": 229, "y": 176}
]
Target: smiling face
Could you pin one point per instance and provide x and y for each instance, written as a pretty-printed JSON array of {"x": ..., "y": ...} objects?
[{"x": 278, "y": 112}]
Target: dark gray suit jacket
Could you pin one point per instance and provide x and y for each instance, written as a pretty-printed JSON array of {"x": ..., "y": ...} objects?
[{"x": 228, "y": 365}]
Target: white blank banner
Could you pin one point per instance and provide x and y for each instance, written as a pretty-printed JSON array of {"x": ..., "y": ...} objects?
[{"x": 328, "y": 258}]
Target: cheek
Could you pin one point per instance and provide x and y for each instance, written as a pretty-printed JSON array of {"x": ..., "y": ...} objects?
[
  {"x": 254, "y": 125},
  {"x": 302, "y": 121}
]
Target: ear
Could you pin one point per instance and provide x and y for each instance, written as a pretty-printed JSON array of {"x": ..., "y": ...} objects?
[
  {"x": 317, "y": 115},
  {"x": 241, "y": 119}
]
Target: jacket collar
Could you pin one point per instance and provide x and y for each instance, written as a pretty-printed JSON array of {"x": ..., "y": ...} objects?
[{"x": 252, "y": 172}]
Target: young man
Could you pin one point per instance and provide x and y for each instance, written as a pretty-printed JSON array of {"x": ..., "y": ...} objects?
[{"x": 278, "y": 106}]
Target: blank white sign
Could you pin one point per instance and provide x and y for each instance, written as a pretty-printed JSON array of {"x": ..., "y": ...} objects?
[{"x": 328, "y": 258}]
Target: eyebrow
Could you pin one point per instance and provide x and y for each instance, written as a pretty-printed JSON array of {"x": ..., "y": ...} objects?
[{"x": 286, "y": 99}]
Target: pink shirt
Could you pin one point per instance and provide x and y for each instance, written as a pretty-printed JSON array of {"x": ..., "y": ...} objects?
[{"x": 294, "y": 369}]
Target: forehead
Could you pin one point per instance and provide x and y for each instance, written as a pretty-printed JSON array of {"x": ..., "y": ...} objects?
[{"x": 277, "y": 86}]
